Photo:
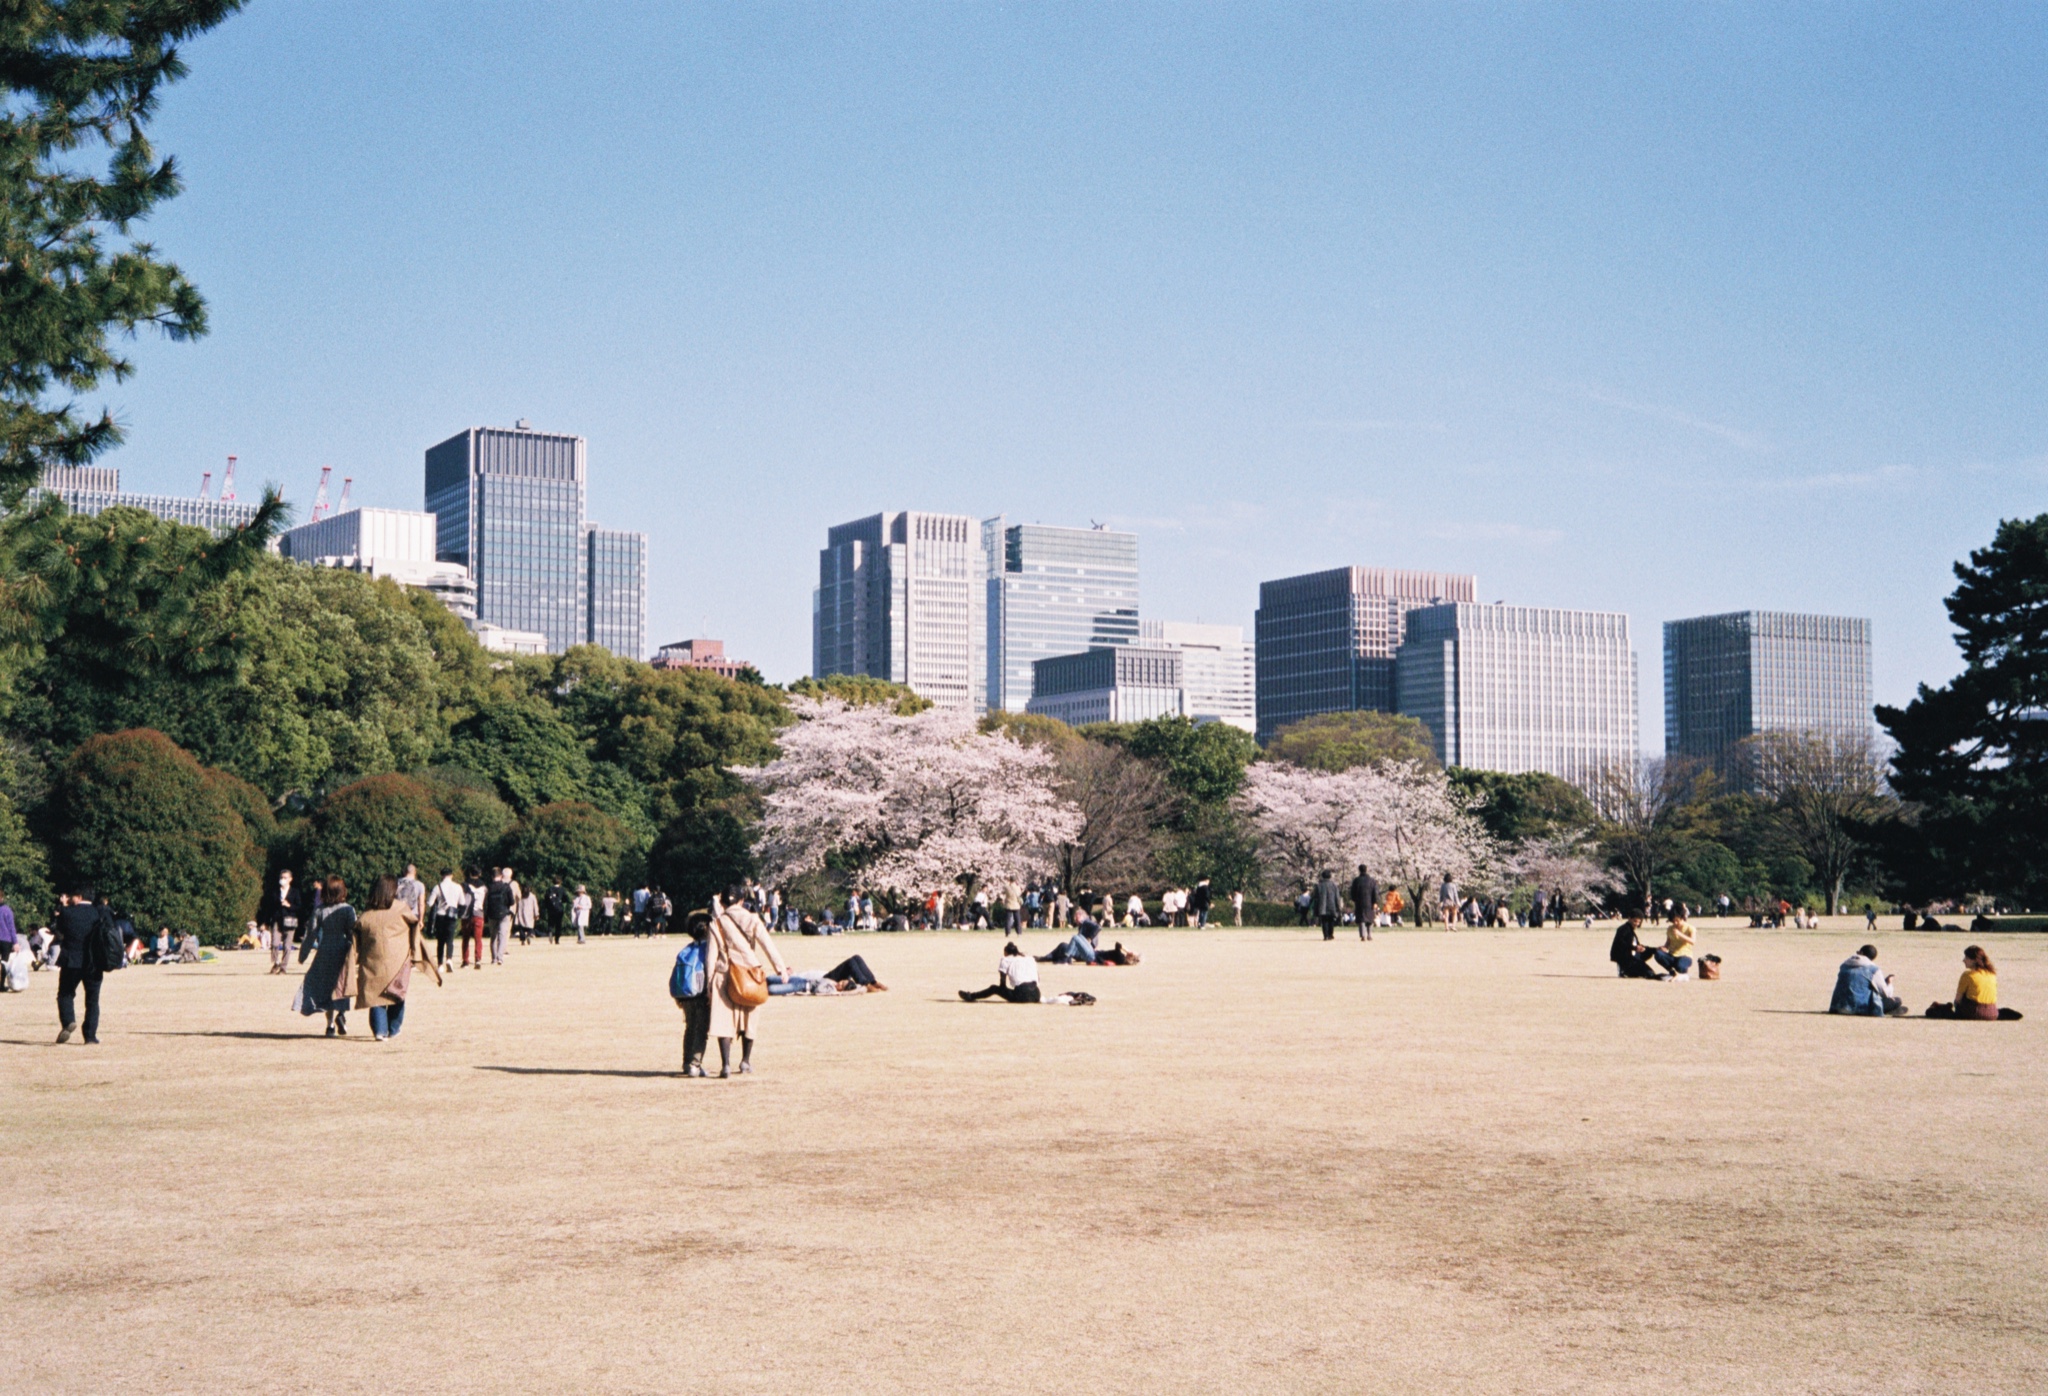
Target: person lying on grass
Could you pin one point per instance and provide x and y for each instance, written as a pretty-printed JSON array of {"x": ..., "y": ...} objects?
[
  {"x": 1976, "y": 992},
  {"x": 1016, "y": 979}
]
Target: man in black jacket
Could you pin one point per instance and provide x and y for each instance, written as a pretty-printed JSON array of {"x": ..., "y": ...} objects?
[
  {"x": 77, "y": 927},
  {"x": 499, "y": 899},
  {"x": 283, "y": 913},
  {"x": 1365, "y": 897}
]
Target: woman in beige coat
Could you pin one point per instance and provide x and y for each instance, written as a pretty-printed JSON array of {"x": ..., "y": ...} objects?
[
  {"x": 387, "y": 942},
  {"x": 737, "y": 937}
]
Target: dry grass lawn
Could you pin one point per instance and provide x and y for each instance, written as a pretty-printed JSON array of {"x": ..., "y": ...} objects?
[{"x": 1470, "y": 1162}]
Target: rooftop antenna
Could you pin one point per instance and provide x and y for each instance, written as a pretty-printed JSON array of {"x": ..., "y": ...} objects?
[
  {"x": 347, "y": 483},
  {"x": 320, "y": 495},
  {"x": 205, "y": 482},
  {"x": 227, "y": 482}
]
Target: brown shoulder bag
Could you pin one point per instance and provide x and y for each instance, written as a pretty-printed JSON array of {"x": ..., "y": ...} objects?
[{"x": 746, "y": 986}]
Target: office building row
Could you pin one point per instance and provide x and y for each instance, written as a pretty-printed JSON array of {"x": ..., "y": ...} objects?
[{"x": 967, "y": 614}]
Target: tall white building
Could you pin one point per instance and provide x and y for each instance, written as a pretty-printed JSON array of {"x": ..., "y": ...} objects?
[
  {"x": 1218, "y": 670},
  {"x": 1521, "y": 688},
  {"x": 1053, "y": 591},
  {"x": 394, "y": 543},
  {"x": 901, "y": 597}
]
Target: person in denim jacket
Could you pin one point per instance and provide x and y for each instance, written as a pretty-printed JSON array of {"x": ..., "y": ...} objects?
[{"x": 1862, "y": 988}]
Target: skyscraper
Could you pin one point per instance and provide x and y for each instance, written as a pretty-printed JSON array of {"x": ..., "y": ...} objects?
[
  {"x": 1521, "y": 688},
  {"x": 1326, "y": 640},
  {"x": 1733, "y": 676},
  {"x": 1053, "y": 591},
  {"x": 509, "y": 505},
  {"x": 1217, "y": 672},
  {"x": 900, "y": 597},
  {"x": 1109, "y": 683}
]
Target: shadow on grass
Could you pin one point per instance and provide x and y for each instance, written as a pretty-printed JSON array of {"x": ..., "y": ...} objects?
[
  {"x": 248, "y": 1034},
  {"x": 574, "y": 1071}
]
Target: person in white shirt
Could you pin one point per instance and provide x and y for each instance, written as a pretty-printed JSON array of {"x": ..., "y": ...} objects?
[
  {"x": 579, "y": 912},
  {"x": 447, "y": 905},
  {"x": 1017, "y": 979}
]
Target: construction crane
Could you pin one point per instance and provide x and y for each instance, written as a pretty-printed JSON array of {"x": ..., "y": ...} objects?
[
  {"x": 320, "y": 495},
  {"x": 347, "y": 483},
  {"x": 205, "y": 482},
  {"x": 227, "y": 483}
]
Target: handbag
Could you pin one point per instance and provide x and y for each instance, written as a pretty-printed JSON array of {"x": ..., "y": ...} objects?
[
  {"x": 1710, "y": 967},
  {"x": 746, "y": 986}
]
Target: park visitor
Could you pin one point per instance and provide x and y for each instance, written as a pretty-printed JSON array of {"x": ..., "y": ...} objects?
[
  {"x": 610, "y": 925},
  {"x": 1631, "y": 957},
  {"x": 10, "y": 936},
  {"x": 284, "y": 910},
  {"x": 738, "y": 941},
  {"x": 1365, "y": 898},
  {"x": 692, "y": 975},
  {"x": 332, "y": 944},
  {"x": 1016, "y": 979},
  {"x": 1676, "y": 956},
  {"x": 526, "y": 915},
  {"x": 20, "y": 963},
  {"x": 1976, "y": 992},
  {"x": 554, "y": 910},
  {"x": 447, "y": 905},
  {"x": 1447, "y": 901},
  {"x": 1327, "y": 904},
  {"x": 499, "y": 900},
  {"x": 83, "y": 935},
  {"x": 1864, "y": 989},
  {"x": 412, "y": 895},
  {"x": 1079, "y": 947},
  {"x": 579, "y": 912},
  {"x": 1200, "y": 901},
  {"x": 477, "y": 909},
  {"x": 387, "y": 942}
]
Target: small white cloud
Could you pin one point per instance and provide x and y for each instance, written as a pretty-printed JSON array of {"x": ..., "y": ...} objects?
[{"x": 1734, "y": 436}]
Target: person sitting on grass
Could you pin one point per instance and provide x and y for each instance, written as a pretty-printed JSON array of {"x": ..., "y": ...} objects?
[
  {"x": 1676, "y": 956},
  {"x": 1862, "y": 988},
  {"x": 1976, "y": 992},
  {"x": 1080, "y": 947},
  {"x": 1016, "y": 979},
  {"x": 1631, "y": 957}
]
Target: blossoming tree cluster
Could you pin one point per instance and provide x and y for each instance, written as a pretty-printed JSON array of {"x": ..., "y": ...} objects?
[{"x": 908, "y": 805}]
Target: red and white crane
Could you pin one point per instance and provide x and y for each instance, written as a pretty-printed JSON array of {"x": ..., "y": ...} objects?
[
  {"x": 227, "y": 483},
  {"x": 320, "y": 495},
  {"x": 205, "y": 482},
  {"x": 347, "y": 484}
]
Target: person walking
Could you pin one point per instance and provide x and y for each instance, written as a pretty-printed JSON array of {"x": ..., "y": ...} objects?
[
  {"x": 500, "y": 899},
  {"x": 87, "y": 946},
  {"x": 475, "y": 912},
  {"x": 412, "y": 894},
  {"x": 737, "y": 939},
  {"x": 387, "y": 937},
  {"x": 1200, "y": 901},
  {"x": 579, "y": 912},
  {"x": 10, "y": 935},
  {"x": 526, "y": 914},
  {"x": 697, "y": 1007},
  {"x": 332, "y": 944},
  {"x": 1447, "y": 902},
  {"x": 447, "y": 906},
  {"x": 281, "y": 915},
  {"x": 1237, "y": 907},
  {"x": 1538, "y": 909},
  {"x": 1326, "y": 904},
  {"x": 554, "y": 910},
  {"x": 1365, "y": 900}
]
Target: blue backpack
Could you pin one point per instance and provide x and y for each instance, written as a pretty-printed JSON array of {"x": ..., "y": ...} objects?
[{"x": 686, "y": 980}]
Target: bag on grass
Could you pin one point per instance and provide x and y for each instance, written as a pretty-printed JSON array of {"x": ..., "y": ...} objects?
[
  {"x": 686, "y": 980},
  {"x": 1710, "y": 967}
]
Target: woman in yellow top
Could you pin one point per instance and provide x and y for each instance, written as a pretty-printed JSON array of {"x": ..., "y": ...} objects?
[
  {"x": 1976, "y": 992},
  {"x": 1676, "y": 955}
]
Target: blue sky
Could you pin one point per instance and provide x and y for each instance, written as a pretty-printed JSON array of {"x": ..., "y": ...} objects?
[{"x": 1657, "y": 309}]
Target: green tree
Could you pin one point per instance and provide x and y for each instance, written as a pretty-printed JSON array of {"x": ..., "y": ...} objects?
[
  {"x": 472, "y": 808},
  {"x": 1339, "y": 741},
  {"x": 373, "y": 828},
  {"x": 24, "y": 869},
  {"x": 1524, "y": 805},
  {"x": 702, "y": 851},
  {"x": 1973, "y": 753},
  {"x": 572, "y": 840},
  {"x": 81, "y": 74},
  {"x": 1204, "y": 761},
  {"x": 253, "y": 809},
  {"x": 526, "y": 749},
  {"x": 135, "y": 817},
  {"x": 860, "y": 690}
]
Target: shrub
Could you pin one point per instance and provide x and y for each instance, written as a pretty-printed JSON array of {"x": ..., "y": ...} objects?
[
  {"x": 574, "y": 841},
  {"x": 138, "y": 818},
  {"x": 471, "y": 805},
  {"x": 705, "y": 850},
  {"x": 373, "y": 828}
]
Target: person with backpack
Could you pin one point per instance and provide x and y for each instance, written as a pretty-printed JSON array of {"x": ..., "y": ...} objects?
[
  {"x": 500, "y": 900},
  {"x": 447, "y": 904},
  {"x": 554, "y": 909},
  {"x": 88, "y": 946},
  {"x": 735, "y": 951},
  {"x": 690, "y": 987}
]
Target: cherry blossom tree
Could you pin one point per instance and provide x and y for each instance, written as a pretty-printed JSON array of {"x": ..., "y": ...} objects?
[
  {"x": 1401, "y": 819},
  {"x": 1567, "y": 863},
  {"x": 906, "y": 804}
]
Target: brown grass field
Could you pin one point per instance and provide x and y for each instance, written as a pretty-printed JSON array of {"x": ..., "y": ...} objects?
[{"x": 1442, "y": 1162}]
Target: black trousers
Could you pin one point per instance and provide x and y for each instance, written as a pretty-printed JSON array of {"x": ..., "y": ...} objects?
[
  {"x": 854, "y": 968},
  {"x": 68, "y": 981},
  {"x": 696, "y": 1028},
  {"x": 1329, "y": 924},
  {"x": 1023, "y": 993}
]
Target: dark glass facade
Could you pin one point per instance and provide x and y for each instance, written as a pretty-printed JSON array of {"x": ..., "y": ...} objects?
[
  {"x": 1733, "y": 676},
  {"x": 1054, "y": 591},
  {"x": 616, "y": 587}
]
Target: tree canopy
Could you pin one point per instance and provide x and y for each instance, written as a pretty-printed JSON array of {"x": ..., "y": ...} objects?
[{"x": 1340, "y": 741}]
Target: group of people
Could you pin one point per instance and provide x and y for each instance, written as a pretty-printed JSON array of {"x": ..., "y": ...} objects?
[
  {"x": 1675, "y": 959},
  {"x": 1863, "y": 989}
]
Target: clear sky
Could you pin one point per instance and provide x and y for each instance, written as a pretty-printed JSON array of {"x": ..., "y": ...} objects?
[{"x": 1658, "y": 309}]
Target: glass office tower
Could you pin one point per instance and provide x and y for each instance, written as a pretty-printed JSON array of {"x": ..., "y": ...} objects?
[
  {"x": 1326, "y": 640},
  {"x": 615, "y": 586},
  {"x": 1733, "y": 676},
  {"x": 1053, "y": 591},
  {"x": 1521, "y": 688},
  {"x": 509, "y": 506},
  {"x": 900, "y": 597}
]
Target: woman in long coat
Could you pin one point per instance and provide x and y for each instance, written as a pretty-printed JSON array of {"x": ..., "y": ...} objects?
[
  {"x": 329, "y": 980},
  {"x": 387, "y": 942},
  {"x": 737, "y": 937}
]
